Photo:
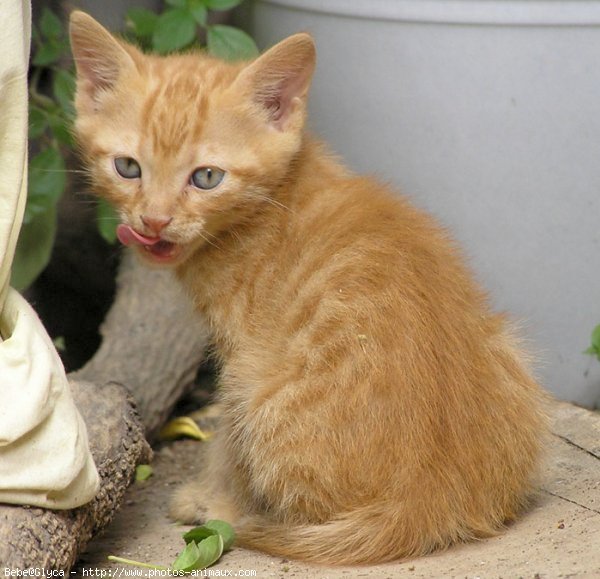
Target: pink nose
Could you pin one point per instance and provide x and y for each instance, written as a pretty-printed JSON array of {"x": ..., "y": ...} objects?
[{"x": 156, "y": 224}]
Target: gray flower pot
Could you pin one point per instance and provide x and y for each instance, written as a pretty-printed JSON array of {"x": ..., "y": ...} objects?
[{"x": 487, "y": 113}]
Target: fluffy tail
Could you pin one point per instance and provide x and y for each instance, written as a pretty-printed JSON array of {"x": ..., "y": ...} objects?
[{"x": 372, "y": 534}]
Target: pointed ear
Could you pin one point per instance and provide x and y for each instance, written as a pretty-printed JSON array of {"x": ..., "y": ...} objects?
[
  {"x": 99, "y": 58},
  {"x": 279, "y": 80}
]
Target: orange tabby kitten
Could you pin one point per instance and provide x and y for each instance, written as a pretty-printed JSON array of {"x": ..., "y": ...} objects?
[{"x": 374, "y": 407}]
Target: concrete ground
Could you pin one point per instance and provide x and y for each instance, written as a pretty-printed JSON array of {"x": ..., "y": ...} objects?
[{"x": 559, "y": 537}]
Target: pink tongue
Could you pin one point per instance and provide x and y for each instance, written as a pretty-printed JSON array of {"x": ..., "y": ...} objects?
[{"x": 129, "y": 236}]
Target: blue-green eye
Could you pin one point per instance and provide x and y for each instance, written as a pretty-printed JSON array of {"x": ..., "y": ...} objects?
[
  {"x": 128, "y": 168},
  {"x": 207, "y": 177}
]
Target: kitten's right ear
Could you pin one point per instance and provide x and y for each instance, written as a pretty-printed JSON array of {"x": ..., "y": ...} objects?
[
  {"x": 99, "y": 57},
  {"x": 278, "y": 81}
]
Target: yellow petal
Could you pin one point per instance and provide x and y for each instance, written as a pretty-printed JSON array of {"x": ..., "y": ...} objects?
[{"x": 180, "y": 427}]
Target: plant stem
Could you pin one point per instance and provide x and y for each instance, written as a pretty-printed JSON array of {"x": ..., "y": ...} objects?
[
  {"x": 41, "y": 100},
  {"x": 137, "y": 563}
]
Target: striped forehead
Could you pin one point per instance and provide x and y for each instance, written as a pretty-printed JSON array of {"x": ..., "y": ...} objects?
[{"x": 174, "y": 112}]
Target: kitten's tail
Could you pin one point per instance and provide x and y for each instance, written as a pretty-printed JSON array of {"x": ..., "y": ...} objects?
[{"x": 371, "y": 534}]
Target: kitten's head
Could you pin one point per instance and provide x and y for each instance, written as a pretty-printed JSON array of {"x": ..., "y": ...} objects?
[{"x": 186, "y": 145}]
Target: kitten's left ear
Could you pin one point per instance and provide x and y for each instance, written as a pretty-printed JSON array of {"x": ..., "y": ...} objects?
[
  {"x": 100, "y": 59},
  {"x": 279, "y": 80}
]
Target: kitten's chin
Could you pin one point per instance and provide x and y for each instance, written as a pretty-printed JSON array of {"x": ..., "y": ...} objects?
[{"x": 163, "y": 253}]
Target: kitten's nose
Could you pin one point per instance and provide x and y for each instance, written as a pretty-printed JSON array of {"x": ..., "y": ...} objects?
[{"x": 156, "y": 224}]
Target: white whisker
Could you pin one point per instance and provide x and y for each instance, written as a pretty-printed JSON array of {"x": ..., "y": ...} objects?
[
  {"x": 208, "y": 240},
  {"x": 269, "y": 200}
]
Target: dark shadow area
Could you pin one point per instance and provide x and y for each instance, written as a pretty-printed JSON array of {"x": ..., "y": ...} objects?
[{"x": 75, "y": 291}]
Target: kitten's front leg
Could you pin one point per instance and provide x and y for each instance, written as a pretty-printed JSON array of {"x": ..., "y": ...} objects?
[
  {"x": 213, "y": 494},
  {"x": 193, "y": 504}
]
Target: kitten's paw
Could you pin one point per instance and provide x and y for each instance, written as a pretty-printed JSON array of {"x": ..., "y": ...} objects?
[
  {"x": 189, "y": 505},
  {"x": 192, "y": 505}
]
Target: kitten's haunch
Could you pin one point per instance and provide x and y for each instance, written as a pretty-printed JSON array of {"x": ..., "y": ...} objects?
[{"x": 374, "y": 407}]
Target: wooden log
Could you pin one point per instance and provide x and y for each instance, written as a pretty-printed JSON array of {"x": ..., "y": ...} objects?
[
  {"x": 157, "y": 339},
  {"x": 52, "y": 540}
]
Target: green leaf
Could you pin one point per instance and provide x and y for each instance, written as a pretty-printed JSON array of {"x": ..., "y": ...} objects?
[
  {"x": 230, "y": 43},
  {"x": 222, "y": 4},
  {"x": 141, "y": 21},
  {"x": 175, "y": 29},
  {"x": 63, "y": 87},
  {"x": 47, "y": 182},
  {"x": 143, "y": 472},
  {"x": 594, "y": 349},
  {"x": 198, "y": 534},
  {"x": 596, "y": 337},
  {"x": 59, "y": 343},
  {"x": 224, "y": 529},
  {"x": 176, "y": 3},
  {"x": 107, "y": 219},
  {"x": 50, "y": 24},
  {"x": 198, "y": 10},
  {"x": 210, "y": 528},
  {"x": 37, "y": 122},
  {"x": 199, "y": 555},
  {"x": 187, "y": 559},
  {"x": 34, "y": 207},
  {"x": 61, "y": 128},
  {"x": 48, "y": 53},
  {"x": 34, "y": 249},
  {"x": 210, "y": 550}
]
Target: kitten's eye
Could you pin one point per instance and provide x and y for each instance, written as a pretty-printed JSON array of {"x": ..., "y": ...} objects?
[
  {"x": 128, "y": 168},
  {"x": 207, "y": 177}
]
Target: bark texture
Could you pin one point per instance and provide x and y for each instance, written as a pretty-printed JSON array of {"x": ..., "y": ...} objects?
[
  {"x": 34, "y": 537},
  {"x": 157, "y": 339}
]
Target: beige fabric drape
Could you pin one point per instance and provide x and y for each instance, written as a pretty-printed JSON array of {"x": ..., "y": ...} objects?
[{"x": 44, "y": 455}]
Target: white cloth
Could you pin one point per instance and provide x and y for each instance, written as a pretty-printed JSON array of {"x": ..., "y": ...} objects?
[{"x": 44, "y": 455}]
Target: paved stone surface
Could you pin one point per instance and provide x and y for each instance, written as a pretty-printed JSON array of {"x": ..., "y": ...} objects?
[{"x": 559, "y": 537}]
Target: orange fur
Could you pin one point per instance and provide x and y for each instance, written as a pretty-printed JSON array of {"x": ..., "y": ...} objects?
[{"x": 374, "y": 407}]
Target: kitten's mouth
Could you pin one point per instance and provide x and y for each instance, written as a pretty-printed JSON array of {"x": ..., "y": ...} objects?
[{"x": 158, "y": 249}]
